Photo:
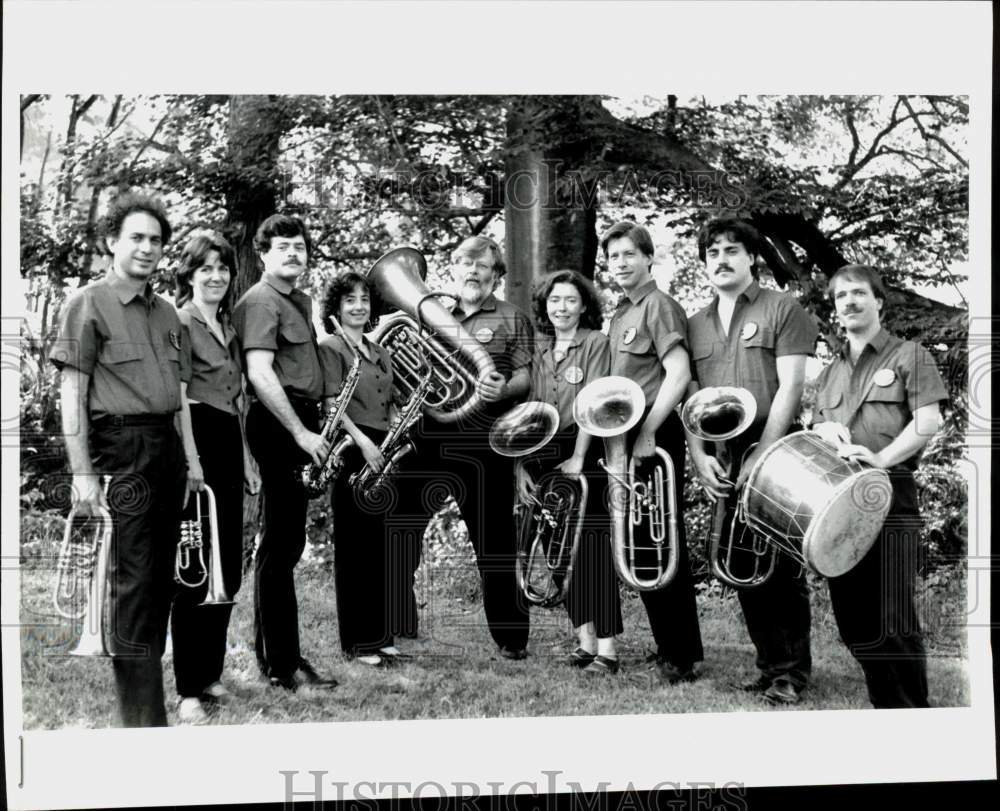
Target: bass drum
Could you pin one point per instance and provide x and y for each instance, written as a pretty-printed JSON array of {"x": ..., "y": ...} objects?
[{"x": 823, "y": 510}]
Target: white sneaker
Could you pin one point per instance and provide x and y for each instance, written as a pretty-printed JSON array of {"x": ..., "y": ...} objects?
[
  {"x": 190, "y": 711},
  {"x": 217, "y": 691}
]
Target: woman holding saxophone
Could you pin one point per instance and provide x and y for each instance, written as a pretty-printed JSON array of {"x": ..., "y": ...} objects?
[
  {"x": 217, "y": 456},
  {"x": 570, "y": 352},
  {"x": 361, "y": 562}
]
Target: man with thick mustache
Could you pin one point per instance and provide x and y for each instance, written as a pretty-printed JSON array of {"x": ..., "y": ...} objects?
[
  {"x": 879, "y": 402},
  {"x": 459, "y": 453},
  {"x": 759, "y": 340},
  {"x": 285, "y": 375}
]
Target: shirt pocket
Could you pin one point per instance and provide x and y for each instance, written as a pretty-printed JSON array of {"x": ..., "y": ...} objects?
[
  {"x": 294, "y": 332},
  {"x": 763, "y": 338},
  {"x": 893, "y": 393},
  {"x": 828, "y": 403},
  {"x": 641, "y": 345},
  {"x": 122, "y": 352}
]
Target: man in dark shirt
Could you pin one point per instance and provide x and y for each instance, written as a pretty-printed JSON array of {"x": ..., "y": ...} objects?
[
  {"x": 878, "y": 401},
  {"x": 122, "y": 358},
  {"x": 759, "y": 340},
  {"x": 284, "y": 370}
]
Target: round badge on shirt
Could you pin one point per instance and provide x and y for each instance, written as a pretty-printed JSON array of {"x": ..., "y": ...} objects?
[
  {"x": 884, "y": 377},
  {"x": 573, "y": 375},
  {"x": 484, "y": 335},
  {"x": 628, "y": 336},
  {"x": 748, "y": 331}
]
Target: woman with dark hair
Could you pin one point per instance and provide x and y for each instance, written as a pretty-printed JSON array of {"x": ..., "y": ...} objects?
[
  {"x": 361, "y": 560},
  {"x": 570, "y": 352},
  {"x": 216, "y": 452}
]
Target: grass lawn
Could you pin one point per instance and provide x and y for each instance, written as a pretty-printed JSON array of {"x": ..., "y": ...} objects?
[{"x": 456, "y": 672}]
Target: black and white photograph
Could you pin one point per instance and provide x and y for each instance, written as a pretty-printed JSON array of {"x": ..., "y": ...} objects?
[{"x": 464, "y": 423}]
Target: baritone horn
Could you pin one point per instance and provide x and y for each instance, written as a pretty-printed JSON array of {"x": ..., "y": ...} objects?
[
  {"x": 609, "y": 407},
  {"x": 82, "y": 576},
  {"x": 425, "y": 329},
  {"x": 551, "y": 512},
  {"x": 719, "y": 414},
  {"x": 189, "y": 563}
]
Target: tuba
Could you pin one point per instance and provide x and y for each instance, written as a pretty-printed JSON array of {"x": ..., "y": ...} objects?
[
  {"x": 82, "y": 576},
  {"x": 316, "y": 478},
  {"x": 552, "y": 512},
  {"x": 190, "y": 555},
  {"x": 608, "y": 407},
  {"x": 718, "y": 414},
  {"x": 458, "y": 361}
]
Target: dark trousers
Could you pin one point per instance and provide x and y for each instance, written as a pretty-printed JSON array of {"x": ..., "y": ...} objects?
[
  {"x": 874, "y": 604},
  {"x": 146, "y": 466},
  {"x": 776, "y": 612},
  {"x": 362, "y": 558},
  {"x": 592, "y": 595},
  {"x": 672, "y": 610},
  {"x": 282, "y": 536},
  {"x": 198, "y": 631},
  {"x": 458, "y": 460}
]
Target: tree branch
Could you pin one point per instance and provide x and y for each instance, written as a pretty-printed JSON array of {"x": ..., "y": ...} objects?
[{"x": 930, "y": 136}]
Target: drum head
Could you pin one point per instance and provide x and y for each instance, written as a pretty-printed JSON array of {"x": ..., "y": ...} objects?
[{"x": 841, "y": 534}]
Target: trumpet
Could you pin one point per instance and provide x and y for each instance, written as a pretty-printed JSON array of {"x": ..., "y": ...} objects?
[
  {"x": 426, "y": 332},
  {"x": 609, "y": 407},
  {"x": 81, "y": 576},
  {"x": 316, "y": 478},
  {"x": 719, "y": 414},
  {"x": 551, "y": 514},
  {"x": 191, "y": 551}
]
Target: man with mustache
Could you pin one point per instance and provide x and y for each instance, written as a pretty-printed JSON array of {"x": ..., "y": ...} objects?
[
  {"x": 878, "y": 401},
  {"x": 122, "y": 357},
  {"x": 759, "y": 340},
  {"x": 285, "y": 376},
  {"x": 459, "y": 453}
]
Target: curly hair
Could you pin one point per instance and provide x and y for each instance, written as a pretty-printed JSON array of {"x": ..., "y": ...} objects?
[
  {"x": 731, "y": 228},
  {"x": 193, "y": 256},
  {"x": 130, "y": 203},
  {"x": 341, "y": 286},
  {"x": 591, "y": 315},
  {"x": 281, "y": 225}
]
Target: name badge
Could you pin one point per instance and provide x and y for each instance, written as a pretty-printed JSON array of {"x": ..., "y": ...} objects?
[
  {"x": 175, "y": 340},
  {"x": 628, "y": 336},
  {"x": 884, "y": 377},
  {"x": 484, "y": 335},
  {"x": 573, "y": 375},
  {"x": 748, "y": 331}
]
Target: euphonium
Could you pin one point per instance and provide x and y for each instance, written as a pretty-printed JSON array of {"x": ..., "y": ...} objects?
[
  {"x": 81, "y": 576},
  {"x": 552, "y": 514},
  {"x": 191, "y": 551},
  {"x": 458, "y": 360},
  {"x": 316, "y": 478},
  {"x": 719, "y": 414},
  {"x": 608, "y": 407}
]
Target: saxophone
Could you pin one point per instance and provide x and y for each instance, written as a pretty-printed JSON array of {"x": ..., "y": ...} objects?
[
  {"x": 316, "y": 478},
  {"x": 397, "y": 441}
]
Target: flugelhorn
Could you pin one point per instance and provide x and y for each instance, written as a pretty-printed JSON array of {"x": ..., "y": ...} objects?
[
  {"x": 189, "y": 562},
  {"x": 552, "y": 512},
  {"x": 82, "y": 576},
  {"x": 398, "y": 278},
  {"x": 609, "y": 407},
  {"x": 719, "y": 414},
  {"x": 316, "y": 478}
]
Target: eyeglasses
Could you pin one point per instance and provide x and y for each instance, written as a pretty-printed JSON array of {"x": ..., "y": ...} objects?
[{"x": 478, "y": 264}]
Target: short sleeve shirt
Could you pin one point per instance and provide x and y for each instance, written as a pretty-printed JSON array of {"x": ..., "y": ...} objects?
[
  {"x": 876, "y": 397},
  {"x": 266, "y": 317},
  {"x": 369, "y": 405},
  {"x": 766, "y": 325},
  {"x": 216, "y": 370},
  {"x": 130, "y": 344},
  {"x": 557, "y": 378},
  {"x": 646, "y": 325}
]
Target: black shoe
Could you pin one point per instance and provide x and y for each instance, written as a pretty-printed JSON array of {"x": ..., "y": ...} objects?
[
  {"x": 513, "y": 653},
  {"x": 757, "y": 685},
  {"x": 581, "y": 658},
  {"x": 303, "y": 675},
  {"x": 672, "y": 674},
  {"x": 782, "y": 693},
  {"x": 602, "y": 666}
]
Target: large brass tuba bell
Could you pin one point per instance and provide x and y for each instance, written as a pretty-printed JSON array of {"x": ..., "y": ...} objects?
[
  {"x": 552, "y": 510},
  {"x": 426, "y": 329},
  {"x": 719, "y": 414},
  {"x": 609, "y": 407}
]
